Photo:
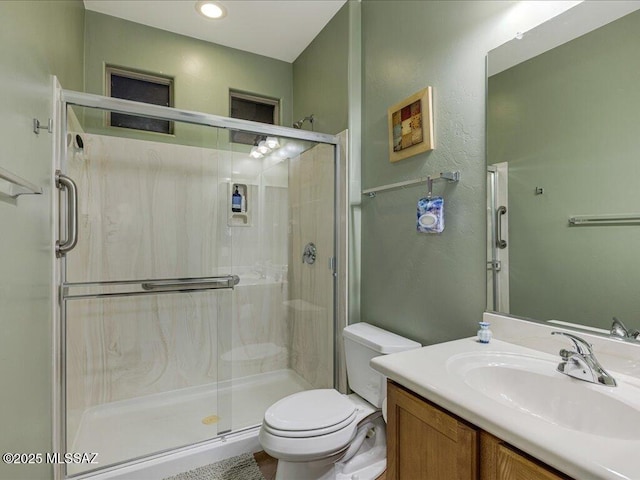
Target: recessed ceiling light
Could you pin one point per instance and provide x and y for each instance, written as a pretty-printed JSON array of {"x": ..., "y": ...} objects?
[{"x": 211, "y": 9}]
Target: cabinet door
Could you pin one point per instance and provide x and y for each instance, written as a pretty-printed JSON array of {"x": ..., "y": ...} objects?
[
  {"x": 500, "y": 461},
  {"x": 426, "y": 443}
]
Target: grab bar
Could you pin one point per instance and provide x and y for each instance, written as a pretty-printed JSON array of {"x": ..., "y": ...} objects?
[
  {"x": 500, "y": 243},
  {"x": 225, "y": 281},
  {"x": 65, "y": 183}
]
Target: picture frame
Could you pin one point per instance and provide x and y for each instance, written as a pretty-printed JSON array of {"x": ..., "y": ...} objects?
[{"x": 410, "y": 124}]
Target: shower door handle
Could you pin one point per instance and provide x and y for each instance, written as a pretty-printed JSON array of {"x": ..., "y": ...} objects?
[
  {"x": 65, "y": 183},
  {"x": 180, "y": 284},
  {"x": 500, "y": 243}
]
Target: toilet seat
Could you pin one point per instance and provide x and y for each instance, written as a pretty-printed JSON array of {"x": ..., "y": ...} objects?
[
  {"x": 310, "y": 413},
  {"x": 320, "y": 409},
  {"x": 313, "y": 432}
]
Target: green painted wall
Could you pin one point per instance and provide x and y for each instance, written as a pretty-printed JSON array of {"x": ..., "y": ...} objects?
[
  {"x": 320, "y": 77},
  {"x": 37, "y": 39},
  {"x": 567, "y": 120},
  {"x": 428, "y": 287},
  {"x": 203, "y": 72}
]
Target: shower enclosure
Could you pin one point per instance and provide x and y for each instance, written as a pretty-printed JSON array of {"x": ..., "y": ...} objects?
[{"x": 197, "y": 282}]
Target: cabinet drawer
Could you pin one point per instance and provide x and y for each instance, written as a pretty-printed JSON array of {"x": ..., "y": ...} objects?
[{"x": 500, "y": 461}]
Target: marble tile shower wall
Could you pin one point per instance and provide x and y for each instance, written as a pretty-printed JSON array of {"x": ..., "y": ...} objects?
[
  {"x": 151, "y": 210},
  {"x": 311, "y": 196}
]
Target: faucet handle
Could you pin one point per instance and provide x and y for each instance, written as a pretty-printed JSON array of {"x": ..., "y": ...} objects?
[
  {"x": 582, "y": 347},
  {"x": 619, "y": 329},
  {"x": 566, "y": 354}
]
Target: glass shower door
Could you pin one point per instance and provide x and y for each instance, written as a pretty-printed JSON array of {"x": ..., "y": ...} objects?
[
  {"x": 282, "y": 332},
  {"x": 146, "y": 290},
  {"x": 202, "y": 287}
]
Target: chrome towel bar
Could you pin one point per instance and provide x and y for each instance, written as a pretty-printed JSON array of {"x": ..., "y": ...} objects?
[
  {"x": 226, "y": 281},
  {"x": 621, "y": 219},
  {"x": 149, "y": 286},
  {"x": 450, "y": 176},
  {"x": 16, "y": 185}
]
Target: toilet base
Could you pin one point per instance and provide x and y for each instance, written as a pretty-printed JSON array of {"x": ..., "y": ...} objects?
[
  {"x": 367, "y": 464},
  {"x": 305, "y": 470}
]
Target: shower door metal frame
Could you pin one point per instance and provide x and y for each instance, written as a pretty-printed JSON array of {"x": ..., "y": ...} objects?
[
  {"x": 497, "y": 246},
  {"x": 492, "y": 260},
  {"x": 66, "y": 98}
]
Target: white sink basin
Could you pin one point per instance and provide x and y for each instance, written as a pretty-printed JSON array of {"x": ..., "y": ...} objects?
[
  {"x": 531, "y": 385},
  {"x": 587, "y": 431}
]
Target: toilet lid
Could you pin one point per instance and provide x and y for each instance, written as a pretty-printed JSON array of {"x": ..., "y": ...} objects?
[{"x": 309, "y": 410}]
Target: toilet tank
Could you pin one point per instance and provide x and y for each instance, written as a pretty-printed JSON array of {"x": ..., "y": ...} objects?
[{"x": 362, "y": 342}]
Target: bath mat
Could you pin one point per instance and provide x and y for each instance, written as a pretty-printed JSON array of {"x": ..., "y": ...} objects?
[{"x": 242, "y": 467}]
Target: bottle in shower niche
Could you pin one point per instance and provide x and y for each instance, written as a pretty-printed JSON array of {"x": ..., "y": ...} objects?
[{"x": 236, "y": 201}]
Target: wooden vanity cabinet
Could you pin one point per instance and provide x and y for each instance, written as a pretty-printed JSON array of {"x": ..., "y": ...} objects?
[{"x": 425, "y": 442}]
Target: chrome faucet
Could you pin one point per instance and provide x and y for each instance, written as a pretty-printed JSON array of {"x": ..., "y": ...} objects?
[
  {"x": 619, "y": 330},
  {"x": 582, "y": 363}
]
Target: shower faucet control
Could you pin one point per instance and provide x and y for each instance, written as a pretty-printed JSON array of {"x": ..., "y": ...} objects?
[{"x": 309, "y": 254}]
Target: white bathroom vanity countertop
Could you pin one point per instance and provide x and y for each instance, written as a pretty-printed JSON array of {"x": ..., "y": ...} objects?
[{"x": 434, "y": 373}]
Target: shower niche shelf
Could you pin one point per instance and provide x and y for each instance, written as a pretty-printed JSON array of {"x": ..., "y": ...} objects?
[{"x": 240, "y": 218}]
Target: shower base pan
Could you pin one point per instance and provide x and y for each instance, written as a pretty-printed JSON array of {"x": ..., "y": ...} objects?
[{"x": 133, "y": 429}]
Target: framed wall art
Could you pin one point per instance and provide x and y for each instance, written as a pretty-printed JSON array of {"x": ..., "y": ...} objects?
[{"x": 411, "y": 126}]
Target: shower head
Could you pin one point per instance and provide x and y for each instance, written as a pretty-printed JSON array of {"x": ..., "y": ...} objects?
[{"x": 300, "y": 122}]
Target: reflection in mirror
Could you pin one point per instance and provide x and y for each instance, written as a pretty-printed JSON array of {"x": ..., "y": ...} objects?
[{"x": 564, "y": 141}]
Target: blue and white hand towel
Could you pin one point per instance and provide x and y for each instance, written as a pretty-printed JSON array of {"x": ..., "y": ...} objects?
[{"x": 430, "y": 216}]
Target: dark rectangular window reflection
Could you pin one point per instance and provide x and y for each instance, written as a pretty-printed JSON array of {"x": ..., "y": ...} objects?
[
  {"x": 254, "y": 108},
  {"x": 140, "y": 88}
]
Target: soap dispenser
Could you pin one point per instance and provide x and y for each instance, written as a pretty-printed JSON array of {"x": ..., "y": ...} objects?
[
  {"x": 236, "y": 201},
  {"x": 484, "y": 334}
]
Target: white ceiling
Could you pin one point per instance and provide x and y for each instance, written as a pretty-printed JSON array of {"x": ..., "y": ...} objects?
[{"x": 279, "y": 29}]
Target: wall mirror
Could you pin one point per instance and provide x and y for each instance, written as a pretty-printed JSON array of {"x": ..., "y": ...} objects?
[{"x": 563, "y": 173}]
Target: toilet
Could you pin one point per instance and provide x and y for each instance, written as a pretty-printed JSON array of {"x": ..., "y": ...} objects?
[{"x": 322, "y": 434}]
